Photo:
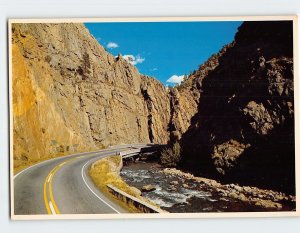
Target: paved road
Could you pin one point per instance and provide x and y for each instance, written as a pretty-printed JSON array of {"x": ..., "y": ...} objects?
[{"x": 62, "y": 186}]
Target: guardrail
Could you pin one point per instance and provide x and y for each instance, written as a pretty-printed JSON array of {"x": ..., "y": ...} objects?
[
  {"x": 129, "y": 153},
  {"x": 129, "y": 199},
  {"x": 135, "y": 151}
]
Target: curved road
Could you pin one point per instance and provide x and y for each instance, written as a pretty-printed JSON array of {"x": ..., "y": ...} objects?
[{"x": 62, "y": 186}]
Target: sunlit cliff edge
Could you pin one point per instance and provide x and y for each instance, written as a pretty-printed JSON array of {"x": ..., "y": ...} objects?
[{"x": 70, "y": 95}]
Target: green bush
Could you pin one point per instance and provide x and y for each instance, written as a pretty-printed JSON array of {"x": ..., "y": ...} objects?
[{"x": 171, "y": 156}]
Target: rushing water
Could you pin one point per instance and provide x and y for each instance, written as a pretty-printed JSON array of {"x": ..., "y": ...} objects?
[{"x": 179, "y": 195}]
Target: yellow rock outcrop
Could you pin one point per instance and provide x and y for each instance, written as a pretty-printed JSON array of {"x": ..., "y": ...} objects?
[{"x": 70, "y": 95}]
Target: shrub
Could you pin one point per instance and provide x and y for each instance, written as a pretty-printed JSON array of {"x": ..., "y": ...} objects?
[
  {"x": 61, "y": 149},
  {"x": 53, "y": 142},
  {"x": 171, "y": 156}
]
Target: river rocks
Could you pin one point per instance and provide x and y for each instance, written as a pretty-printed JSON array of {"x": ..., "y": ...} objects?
[
  {"x": 174, "y": 185},
  {"x": 247, "y": 189},
  {"x": 148, "y": 188},
  {"x": 233, "y": 195},
  {"x": 238, "y": 188},
  {"x": 185, "y": 186},
  {"x": 210, "y": 182},
  {"x": 174, "y": 182},
  {"x": 175, "y": 172},
  {"x": 196, "y": 194},
  {"x": 262, "y": 198},
  {"x": 268, "y": 204},
  {"x": 172, "y": 188},
  {"x": 240, "y": 196}
]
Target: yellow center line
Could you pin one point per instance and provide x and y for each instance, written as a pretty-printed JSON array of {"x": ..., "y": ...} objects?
[
  {"x": 51, "y": 206},
  {"x": 45, "y": 197}
]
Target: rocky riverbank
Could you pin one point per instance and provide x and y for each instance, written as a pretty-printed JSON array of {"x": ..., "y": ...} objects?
[{"x": 179, "y": 192}]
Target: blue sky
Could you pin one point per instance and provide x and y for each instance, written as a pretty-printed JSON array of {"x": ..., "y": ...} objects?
[{"x": 164, "y": 49}]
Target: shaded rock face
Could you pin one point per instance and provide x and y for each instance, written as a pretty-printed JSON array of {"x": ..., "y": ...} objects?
[
  {"x": 184, "y": 99},
  {"x": 70, "y": 95},
  {"x": 244, "y": 126}
]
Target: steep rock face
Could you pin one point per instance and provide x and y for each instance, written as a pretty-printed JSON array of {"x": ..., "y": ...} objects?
[
  {"x": 244, "y": 126},
  {"x": 70, "y": 95},
  {"x": 184, "y": 99}
]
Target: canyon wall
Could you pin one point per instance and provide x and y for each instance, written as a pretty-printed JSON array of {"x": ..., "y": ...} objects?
[
  {"x": 244, "y": 126},
  {"x": 185, "y": 98},
  {"x": 70, "y": 95}
]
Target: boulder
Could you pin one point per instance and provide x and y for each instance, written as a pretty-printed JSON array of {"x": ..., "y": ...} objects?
[
  {"x": 185, "y": 186},
  {"x": 268, "y": 204},
  {"x": 136, "y": 191},
  {"x": 148, "y": 188},
  {"x": 174, "y": 182}
]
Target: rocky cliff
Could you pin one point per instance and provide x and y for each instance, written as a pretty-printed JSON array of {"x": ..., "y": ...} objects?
[
  {"x": 185, "y": 98},
  {"x": 243, "y": 129},
  {"x": 70, "y": 95}
]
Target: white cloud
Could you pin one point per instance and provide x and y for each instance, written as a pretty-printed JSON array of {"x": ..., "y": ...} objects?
[
  {"x": 112, "y": 45},
  {"x": 139, "y": 59},
  {"x": 175, "y": 79},
  {"x": 133, "y": 60}
]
